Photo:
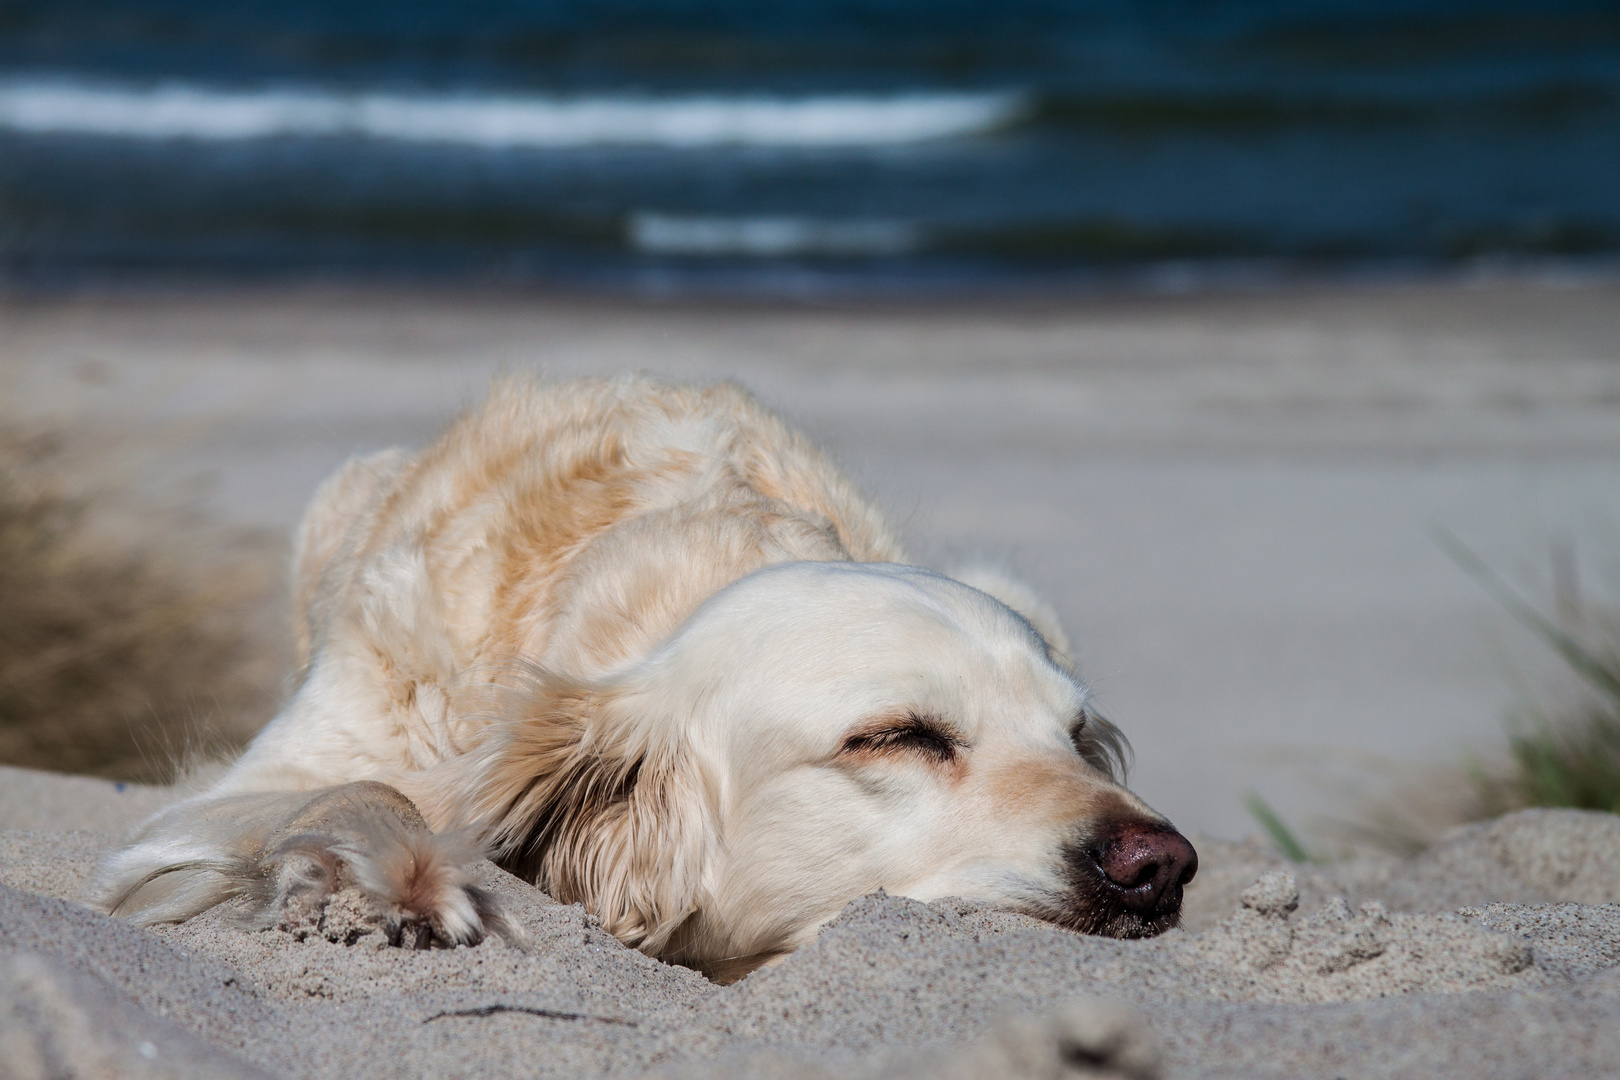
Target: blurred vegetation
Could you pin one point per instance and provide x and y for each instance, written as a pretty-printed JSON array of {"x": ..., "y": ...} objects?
[
  {"x": 120, "y": 656},
  {"x": 1569, "y": 757},
  {"x": 1562, "y": 749},
  {"x": 1281, "y": 835}
]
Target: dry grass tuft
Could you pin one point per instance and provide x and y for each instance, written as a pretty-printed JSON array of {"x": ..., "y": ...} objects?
[
  {"x": 1562, "y": 751},
  {"x": 121, "y": 656},
  {"x": 1567, "y": 756}
]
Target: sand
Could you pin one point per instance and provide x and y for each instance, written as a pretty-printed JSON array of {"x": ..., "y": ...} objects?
[
  {"x": 1228, "y": 497},
  {"x": 1495, "y": 954}
]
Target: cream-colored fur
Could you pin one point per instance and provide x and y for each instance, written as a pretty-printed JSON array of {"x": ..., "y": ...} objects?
[{"x": 655, "y": 650}]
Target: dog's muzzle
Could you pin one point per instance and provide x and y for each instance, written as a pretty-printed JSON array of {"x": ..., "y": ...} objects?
[{"x": 1125, "y": 880}]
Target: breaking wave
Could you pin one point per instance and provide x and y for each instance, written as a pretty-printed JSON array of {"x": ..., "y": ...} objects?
[
  {"x": 767, "y": 237},
  {"x": 187, "y": 111}
]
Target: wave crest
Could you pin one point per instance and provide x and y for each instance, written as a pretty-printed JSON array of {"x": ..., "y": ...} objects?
[{"x": 182, "y": 111}]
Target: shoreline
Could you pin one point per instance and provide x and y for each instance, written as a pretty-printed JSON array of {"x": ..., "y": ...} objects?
[{"x": 1032, "y": 289}]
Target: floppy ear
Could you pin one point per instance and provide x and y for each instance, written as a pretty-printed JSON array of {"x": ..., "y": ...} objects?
[
  {"x": 1103, "y": 745},
  {"x": 1022, "y": 599},
  {"x": 576, "y": 794}
]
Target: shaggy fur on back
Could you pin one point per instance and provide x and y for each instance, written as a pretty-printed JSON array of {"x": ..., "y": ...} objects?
[
  {"x": 538, "y": 631},
  {"x": 576, "y": 525}
]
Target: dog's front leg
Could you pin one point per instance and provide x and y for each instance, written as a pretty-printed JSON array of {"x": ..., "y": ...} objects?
[{"x": 340, "y": 862}]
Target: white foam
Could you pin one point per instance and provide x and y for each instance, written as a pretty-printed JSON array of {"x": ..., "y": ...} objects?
[
  {"x": 180, "y": 111},
  {"x": 767, "y": 237}
]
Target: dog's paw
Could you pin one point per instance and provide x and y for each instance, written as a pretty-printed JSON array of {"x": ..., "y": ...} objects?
[
  {"x": 413, "y": 889},
  {"x": 360, "y": 861}
]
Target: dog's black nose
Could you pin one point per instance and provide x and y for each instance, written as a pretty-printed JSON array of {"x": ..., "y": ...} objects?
[{"x": 1145, "y": 864}]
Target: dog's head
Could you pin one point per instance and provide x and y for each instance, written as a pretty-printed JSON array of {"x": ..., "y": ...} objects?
[{"x": 816, "y": 732}]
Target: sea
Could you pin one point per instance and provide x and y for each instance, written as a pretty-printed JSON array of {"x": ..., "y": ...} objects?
[{"x": 804, "y": 146}]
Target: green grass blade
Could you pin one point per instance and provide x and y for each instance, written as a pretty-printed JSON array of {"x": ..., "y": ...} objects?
[{"x": 1274, "y": 826}]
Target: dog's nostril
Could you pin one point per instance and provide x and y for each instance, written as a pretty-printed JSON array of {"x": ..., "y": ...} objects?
[{"x": 1123, "y": 869}]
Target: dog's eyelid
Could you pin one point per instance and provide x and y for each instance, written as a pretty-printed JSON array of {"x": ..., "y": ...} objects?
[{"x": 912, "y": 731}]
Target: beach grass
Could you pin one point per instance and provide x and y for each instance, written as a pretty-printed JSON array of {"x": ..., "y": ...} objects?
[
  {"x": 1278, "y": 830},
  {"x": 120, "y": 655},
  {"x": 1559, "y": 751},
  {"x": 1568, "y": 757}
]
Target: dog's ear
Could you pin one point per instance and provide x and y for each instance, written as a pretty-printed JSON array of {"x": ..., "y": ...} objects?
[
  {"x": 1024, "y": 600},
  {"x": 582, "y": 794}
]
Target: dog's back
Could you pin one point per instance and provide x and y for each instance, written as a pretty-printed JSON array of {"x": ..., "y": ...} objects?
[{"x": 576, "y": 524}]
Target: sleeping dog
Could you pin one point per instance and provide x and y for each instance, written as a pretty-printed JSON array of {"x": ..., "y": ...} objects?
[{"x": 645, "y": 647}]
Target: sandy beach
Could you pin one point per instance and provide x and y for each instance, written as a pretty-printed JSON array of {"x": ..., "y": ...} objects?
[
  {"x": 1495, "y": 954},
  {"x": 1230, "y": 500},
  {"x": 1275, "y": 347}
]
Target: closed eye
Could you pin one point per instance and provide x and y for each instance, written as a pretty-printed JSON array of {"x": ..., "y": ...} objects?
[{"x": 910, "y": 734}]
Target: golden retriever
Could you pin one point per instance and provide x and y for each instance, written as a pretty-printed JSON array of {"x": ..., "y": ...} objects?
[{"x": 648, "y": 649}]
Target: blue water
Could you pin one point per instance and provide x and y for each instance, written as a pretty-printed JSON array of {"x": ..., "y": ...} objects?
[{"x": 743, "y": 144}]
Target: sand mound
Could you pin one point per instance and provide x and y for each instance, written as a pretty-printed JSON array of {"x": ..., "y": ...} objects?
[
  {"x": 1495, "y": 954},
  {"x": 1531, "y": 857}
]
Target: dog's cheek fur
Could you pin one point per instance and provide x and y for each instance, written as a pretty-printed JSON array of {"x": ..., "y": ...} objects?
[{"x": 573, "y": 794}]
